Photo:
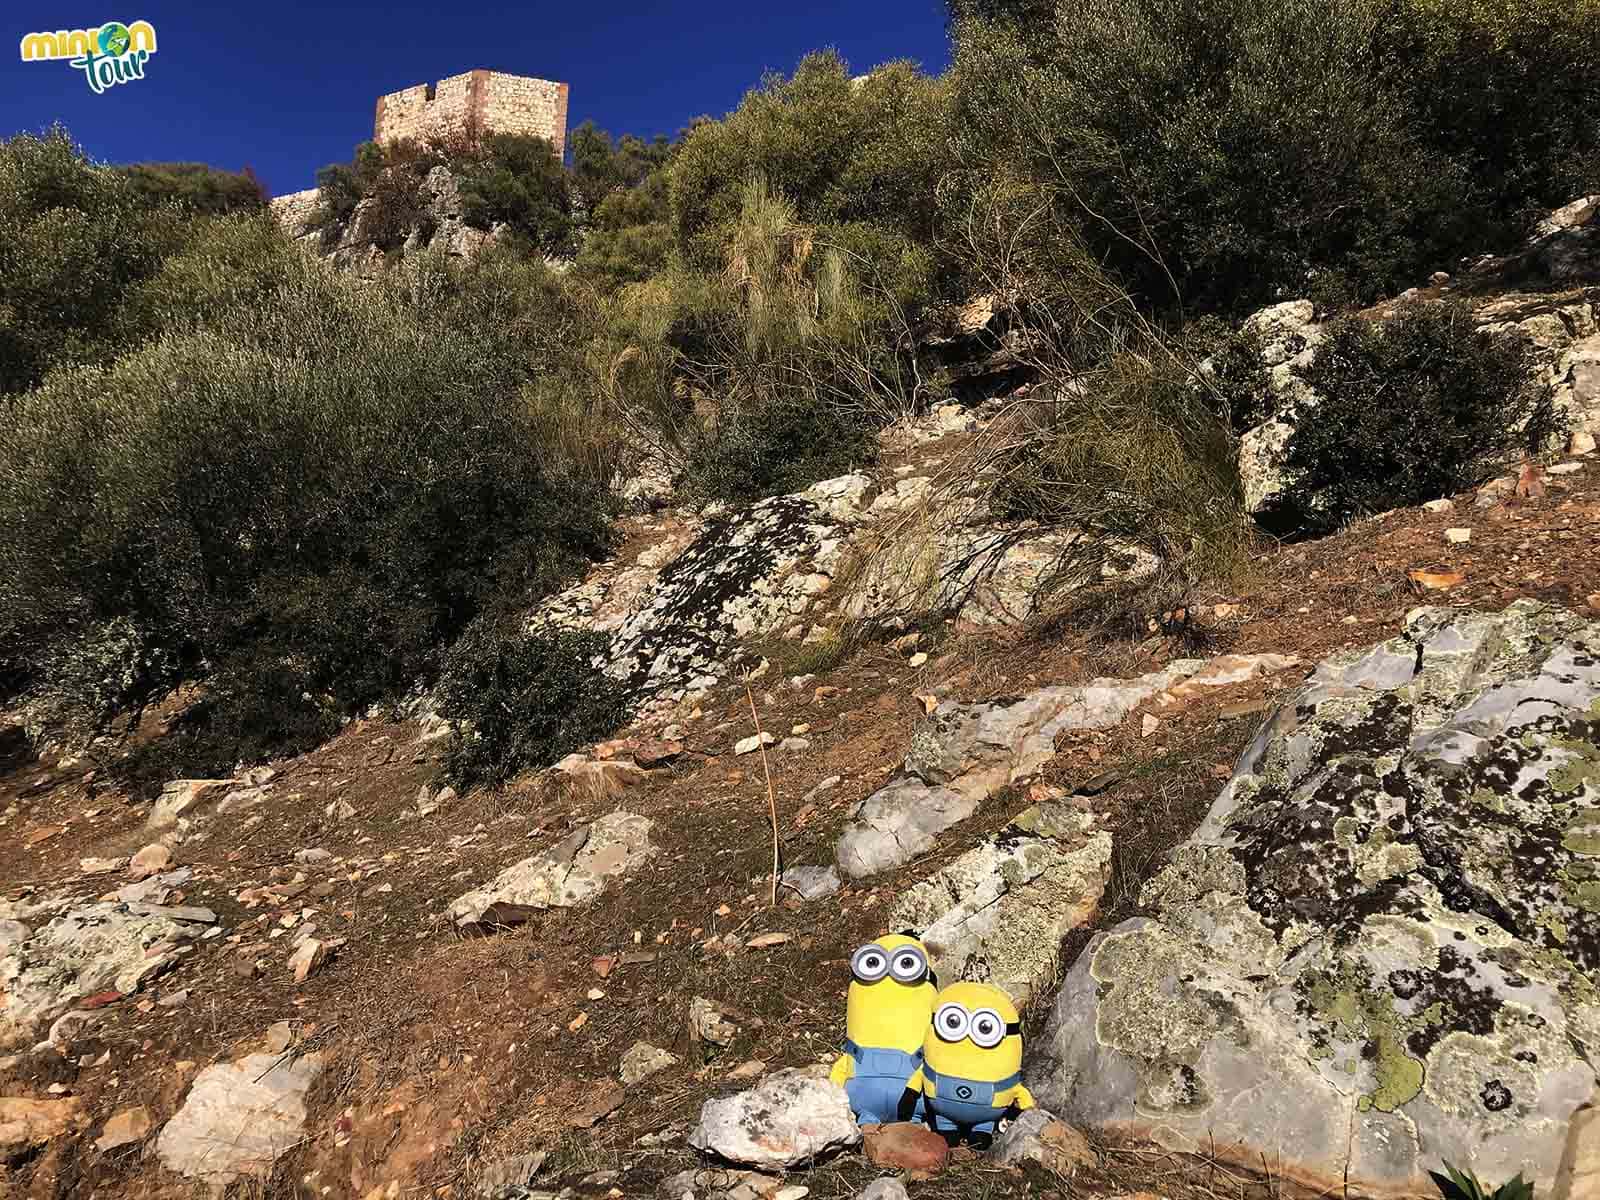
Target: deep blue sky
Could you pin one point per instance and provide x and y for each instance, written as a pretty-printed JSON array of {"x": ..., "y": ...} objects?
[{"x": 289, "y": 85}]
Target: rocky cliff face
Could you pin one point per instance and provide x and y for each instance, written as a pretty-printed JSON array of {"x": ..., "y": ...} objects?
[
  {"x": 1380, "y": 949},
  {"x": 300, "y": 213}
]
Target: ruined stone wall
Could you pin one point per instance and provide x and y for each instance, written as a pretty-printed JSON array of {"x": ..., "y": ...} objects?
[{"x": 488, "y": 101}]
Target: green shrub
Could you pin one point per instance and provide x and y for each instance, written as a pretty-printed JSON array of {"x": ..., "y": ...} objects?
[
  {"x": 765, "y": 376},
  {"x": 837, "y": 150},
  {"x": 529, "y": 699},
  {"x": 1422, "y": 406},
  {"x": 197, "y": 187},
  {"x": 1456, "y": 1184},
  {"x": 601, "y": 168},
  {"x": 74, "y": 238},
  {"x": 1224, "y": 153},
  {"x": 1508, "y": 91},
  {"x": 629, "y": 237},
  {"x": 519, "y": 182},
  {"x": 299, "y": 499}
]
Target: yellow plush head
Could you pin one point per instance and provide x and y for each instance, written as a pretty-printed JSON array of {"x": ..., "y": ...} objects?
[
  {"x": 891, "y": 994},
  {"x": 974, "y": 1033}
]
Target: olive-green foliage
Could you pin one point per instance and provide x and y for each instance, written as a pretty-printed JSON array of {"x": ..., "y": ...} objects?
[
  {"x": 529, "y": 699},
  {"x": 838, "y": 150},
  {"x": 342, "y": 186},
  {"x": 629, "y": 237},
  {"x": 197, "y": 187},
  {"x": 1218, "y": 152},
  {"x": 1507, "y": 89},
  {"x": 303, "y": 493},
  {"x": 518, "y": 182},
  {"x": 1209, "y": 164},
  {"x": 74, "y": 238},
  {"x": 1423, "y": 405},
  {"x": 766, "y": 375},
  {"x": 1135, "y": 459},
  {"x": 601, "y": 167}
]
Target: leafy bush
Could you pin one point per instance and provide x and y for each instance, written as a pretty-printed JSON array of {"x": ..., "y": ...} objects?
[
  {"x": 1223, "y": 153},
  {"x": 629, "y": 237},
  {"x": 342, "y": 186},
  {"x": 74, "y": 238},
  {"x": 197, "y": 187},
  {"x": 300, "y": 496},
  {"x": 601, "y": 168},
  {"x": 519, "y": 182},
  {"x": 1506, "y": 89},
  {"x": 529, "y": 699},
  {"x": 765, "y": 376},
  {"x": 838, "y": 150},
  {"x": 1421, "y": 406}
]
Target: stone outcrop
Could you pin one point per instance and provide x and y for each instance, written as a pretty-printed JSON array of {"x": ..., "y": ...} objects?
[
  {"x": 575, "y": 870},
  {"x": 1379, "y": 951},
  {"x": 999, "y": 912},
  {"x": 87, "y": 951},
  {"x": 964, "y": 753}
]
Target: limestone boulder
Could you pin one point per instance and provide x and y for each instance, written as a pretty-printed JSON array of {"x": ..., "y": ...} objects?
[
  {"x": 1379, "y": 950},
  {"x": 575, "y": 870},
  {"x": 26, "y": 1125},
  {"x": 788, "y": 1119},
  {"x": 964, "y": 753},
  {"x": 999, "y": 912},
  {"x": 239, "y": 1118},
  {"x": 86, "y": 951}
]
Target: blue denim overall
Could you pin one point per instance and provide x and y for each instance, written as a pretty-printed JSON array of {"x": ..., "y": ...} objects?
[
  {"x": 968, "y": 1104},
  {"x": 879, "y": 1081}
]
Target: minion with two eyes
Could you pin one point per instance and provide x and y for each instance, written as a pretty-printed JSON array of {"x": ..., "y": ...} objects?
[
  {"x": 886, "y": 1019},
  {"x": 971, "y": 1072}
]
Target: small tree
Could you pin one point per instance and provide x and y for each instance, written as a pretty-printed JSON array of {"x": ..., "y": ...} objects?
[{"x": 519, "y": 183}]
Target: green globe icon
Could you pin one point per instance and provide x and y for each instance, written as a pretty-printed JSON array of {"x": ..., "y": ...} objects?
[{"x": 114, "y": 38}]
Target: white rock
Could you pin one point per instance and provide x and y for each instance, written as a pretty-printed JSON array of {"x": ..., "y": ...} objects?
[
  {"x": 1458, "y": 537},
  {"x": 643, "y": 1060},
  {"x": 753, "y": 743},
  {"x": 239, "y": 1118},
  {"x": 1439, "y": 506},
  {"x": 787, "y": 1119}
]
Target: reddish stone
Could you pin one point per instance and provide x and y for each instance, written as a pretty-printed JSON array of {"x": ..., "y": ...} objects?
[
  {"x": 907, "y": 1147},
  {"x": 99, "y": 1000}
]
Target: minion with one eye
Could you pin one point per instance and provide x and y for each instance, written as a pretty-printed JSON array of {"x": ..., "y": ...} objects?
[
  {"x": 971, "y": 1073},
  {"x": 886, "y": 1017}
]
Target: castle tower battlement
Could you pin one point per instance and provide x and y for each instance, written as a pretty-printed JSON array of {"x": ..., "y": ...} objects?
[{"x": 485, "y": 101}]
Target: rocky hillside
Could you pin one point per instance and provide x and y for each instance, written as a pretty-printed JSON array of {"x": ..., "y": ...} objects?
[{"x": 1297, "y": 890}]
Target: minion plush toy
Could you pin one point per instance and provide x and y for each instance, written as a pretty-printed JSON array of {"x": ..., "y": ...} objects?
[
  {"x": 886, "y": 1017},
  {"x": 971, "y": 1073}
]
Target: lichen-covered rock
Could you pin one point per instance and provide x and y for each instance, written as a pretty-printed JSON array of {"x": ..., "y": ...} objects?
[
  {"x": 789, "y": 1118},
  {"x": 1379, "y": 951},
  {"x": 740, "y": 576},
  {"x": 91, "y": 949},
  {"x": 575, "y": 870},
  {"x": 999, "y": 912}
]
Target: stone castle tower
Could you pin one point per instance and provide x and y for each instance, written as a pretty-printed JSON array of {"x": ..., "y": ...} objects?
[{"x": 487, "y": 101}]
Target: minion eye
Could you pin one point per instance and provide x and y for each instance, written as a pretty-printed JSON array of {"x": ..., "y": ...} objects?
[
  {"x": 951, "y": 1022},
  {"x": 988, "y": 1030},
  {"x": 870, "y": 963},
  {"x": 908, "y": 965}
]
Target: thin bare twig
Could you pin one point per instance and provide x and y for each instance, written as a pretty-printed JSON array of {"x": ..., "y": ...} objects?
[{"x": 772, "y": 796}]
